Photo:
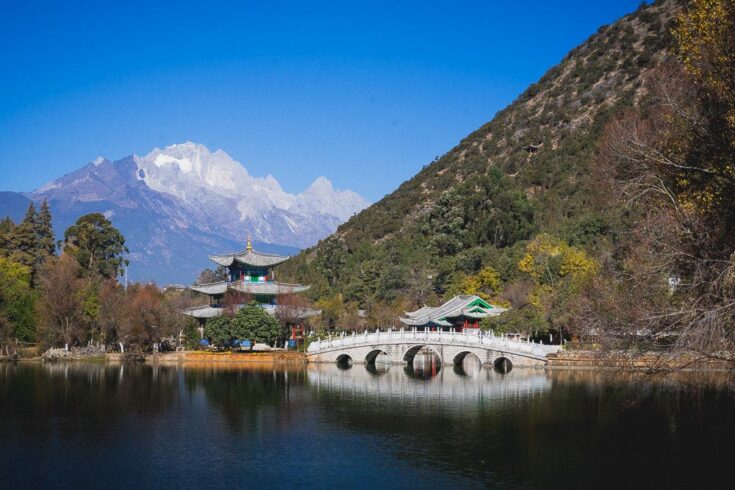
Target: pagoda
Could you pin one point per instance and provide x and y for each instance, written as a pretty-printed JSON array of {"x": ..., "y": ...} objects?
[{"x": 251, "y": 273}]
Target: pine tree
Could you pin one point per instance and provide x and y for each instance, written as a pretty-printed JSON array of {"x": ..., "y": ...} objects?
[
  {"x": 44, "y": 234},
  {"x": 23, "y": 242},
  {"x": 6, "y": 228}
]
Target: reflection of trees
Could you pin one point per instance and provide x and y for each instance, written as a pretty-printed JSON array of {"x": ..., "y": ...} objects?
[
  {"x": 245, "y": 396},
  {"x": 499, "y": 428},
  {"x": 95, "y": 393}
]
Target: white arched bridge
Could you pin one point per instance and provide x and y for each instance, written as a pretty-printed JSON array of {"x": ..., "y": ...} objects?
[{"x": 400, "y": 346}]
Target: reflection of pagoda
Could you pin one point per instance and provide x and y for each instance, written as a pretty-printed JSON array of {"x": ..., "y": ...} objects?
[{"x": 249, "y": 273}]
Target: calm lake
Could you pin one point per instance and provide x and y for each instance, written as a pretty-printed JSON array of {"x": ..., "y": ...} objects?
[{"x": 94, "y": 425}]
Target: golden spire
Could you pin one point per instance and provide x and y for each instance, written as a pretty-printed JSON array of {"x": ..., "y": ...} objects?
[{"x": 250, "y": 245}]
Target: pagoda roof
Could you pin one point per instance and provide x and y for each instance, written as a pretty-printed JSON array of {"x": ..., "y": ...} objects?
[
  {"x": 298, "y": 311},
  {"x": 249, "y": 257},
  {"x": 267, "y": 287},
  {"x": 204, "y": 311},
  {"x": 212, "y": 288},
  {"x": 470, "y": 306}
]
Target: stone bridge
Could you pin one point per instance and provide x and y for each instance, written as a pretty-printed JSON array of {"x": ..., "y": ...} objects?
[{"x": 400, "y": 347}]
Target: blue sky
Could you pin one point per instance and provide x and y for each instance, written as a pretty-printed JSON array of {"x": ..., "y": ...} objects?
[{"x": 365, "y": 93}]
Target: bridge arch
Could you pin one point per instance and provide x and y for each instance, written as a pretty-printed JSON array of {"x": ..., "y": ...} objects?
[
  {"x": 459, "y": 358},
  {"x": 411, "y": 352},
  {"x": 502, "y": 365},
  {"x": 371, "y": 356},
  {"x": 344, "y": 360}
]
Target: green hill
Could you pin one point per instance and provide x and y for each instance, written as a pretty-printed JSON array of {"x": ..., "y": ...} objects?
[{"x": 524, "y": 173}]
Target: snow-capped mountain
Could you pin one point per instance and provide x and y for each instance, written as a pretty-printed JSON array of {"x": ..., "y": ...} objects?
[{"x": 177, "y": 204}]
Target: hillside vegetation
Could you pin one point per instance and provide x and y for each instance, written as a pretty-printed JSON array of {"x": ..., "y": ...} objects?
[{"x": 521, "y": 184}]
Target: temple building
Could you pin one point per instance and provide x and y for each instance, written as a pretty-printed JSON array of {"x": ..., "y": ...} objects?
[
  {"x": 461, "y": 313},
  {"x": 251, "y": 273}
]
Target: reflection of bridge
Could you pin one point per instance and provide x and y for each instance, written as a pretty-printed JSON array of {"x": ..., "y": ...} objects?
[
  {"x": 451, "y": 391},
  {"x": 401, "y": 346}
]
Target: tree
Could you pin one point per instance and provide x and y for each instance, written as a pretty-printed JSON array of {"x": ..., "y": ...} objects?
[
  {"x": 254, "y": 323},
  {"x": 331, "y": 259},
  {"x": 45, "y": 239},
  {"x": 60, "y": 302},
  {"x": 23, "y": 242},
  {"x": 333, "y": 308},
  {"x": 706, "y": 39},
  {"x": 145, "y": 316},
  {"x": 671, "y": 164},
  {"x": 6, "y": 229},
  {"x": 97, "y": 245},
  {"x": 17, "y": 319},
  {"x": 115, "y": 315},
  {"x": 219, "y": 331},
  {"x": 209, "y": 276},
  {"x": 290, "y": 309},
  {"x": 251, "y": 322},
  {"x": 446, "y": 224},
  {"x": 555, "y": 273},
  {"x": 484, "y": 284}
]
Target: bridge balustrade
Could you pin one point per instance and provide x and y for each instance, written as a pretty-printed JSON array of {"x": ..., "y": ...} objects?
[{"x": 490, "y": 341}]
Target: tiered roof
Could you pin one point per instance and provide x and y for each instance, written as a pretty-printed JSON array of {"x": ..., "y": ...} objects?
[
  {"x": 207, "y": 311},
  {"x": 249, "y": 257},
  {"x": 204, "y": 311},
  {"x": 261, "y": 287},
  {"x": 212, "y": 288},
  {"x": 467, "y": 306},
  {"x": 267, "y": 287}
]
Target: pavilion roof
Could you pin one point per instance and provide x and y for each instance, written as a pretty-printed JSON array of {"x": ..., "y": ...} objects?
[
  {"x": 206, "y": 311},
  {"x": 249, "y": 257},
  {"x": 212, "y": 288},
  {"x": 470, "y": 306},
  {"x": 297, "y": 311},
  {"x": 421, "y": 311},
  {"x": 267, "y": 287}
]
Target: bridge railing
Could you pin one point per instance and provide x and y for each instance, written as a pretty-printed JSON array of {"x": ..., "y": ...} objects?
[{"x": 481, "y": 339}]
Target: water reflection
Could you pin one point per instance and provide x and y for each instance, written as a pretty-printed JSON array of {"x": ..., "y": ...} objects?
[
  {"x": 470, "y": 366},
  {"x": 426, "y": 364},
  {"x": 378, "y": 368},
  {"x": 446, "y": 390},
  {"x": 321, "y": 425}
]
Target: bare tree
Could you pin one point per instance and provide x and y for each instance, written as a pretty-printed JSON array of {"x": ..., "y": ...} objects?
[
  {"x": 60, "y": 301},
  {"x": 671, "y": 174}
]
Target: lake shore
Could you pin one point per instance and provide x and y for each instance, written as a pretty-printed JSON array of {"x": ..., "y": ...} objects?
[
  {"x": 566, "y": 360},
  {"x": 593, "y": 359}
]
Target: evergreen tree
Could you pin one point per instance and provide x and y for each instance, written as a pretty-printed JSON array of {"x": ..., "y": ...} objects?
[
  {"x": 251, "y": 322},
  {"x": 46, "y": 245},
  {"x": 6, "y": 228},
  {"x": 22, "y": 243}
]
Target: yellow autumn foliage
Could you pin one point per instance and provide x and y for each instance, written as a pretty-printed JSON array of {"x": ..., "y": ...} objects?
[
  {"x": 484, "y": 284},
  {"x": 574, "y": 262},
  {"x": 706, "y": 34}
]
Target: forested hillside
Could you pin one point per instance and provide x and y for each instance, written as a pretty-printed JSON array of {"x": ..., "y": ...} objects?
[{"x": 476, "y": 219}]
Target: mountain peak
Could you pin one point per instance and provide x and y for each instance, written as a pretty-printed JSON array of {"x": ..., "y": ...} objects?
[
  {"x": 185, "y": 193},
  {"x": 321, "y": 184}
]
